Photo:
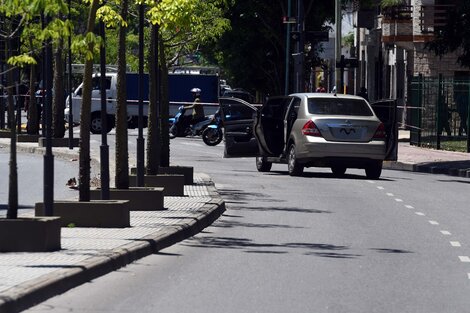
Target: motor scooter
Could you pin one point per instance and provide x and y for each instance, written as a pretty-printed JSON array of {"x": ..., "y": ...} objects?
[
  {"x": 181, "y": 125},
  {"x": 212, "y": 135}
]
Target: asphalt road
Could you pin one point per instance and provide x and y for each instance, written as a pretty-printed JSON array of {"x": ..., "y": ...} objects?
[
  {"x": 302, "y": 244},
  {"x": 30, "y": 179}
]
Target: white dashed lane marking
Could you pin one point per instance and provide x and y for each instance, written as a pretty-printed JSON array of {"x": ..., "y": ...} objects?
[
  {"x": 456, "y": 244},
  {"x": 464, "y": 259}
]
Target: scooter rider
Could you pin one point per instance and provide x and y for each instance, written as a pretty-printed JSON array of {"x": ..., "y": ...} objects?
[{"x": 197, "y": 107}]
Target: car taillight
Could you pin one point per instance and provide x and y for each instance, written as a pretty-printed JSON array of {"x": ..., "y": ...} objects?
[
  {"x": 380, "y": 132},
  {"x": 310, "y": 129}
]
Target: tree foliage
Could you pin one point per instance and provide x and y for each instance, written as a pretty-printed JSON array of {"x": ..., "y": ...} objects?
[
  {"x": 455, "y": 35},
  {"x": 253, "y": 51}
]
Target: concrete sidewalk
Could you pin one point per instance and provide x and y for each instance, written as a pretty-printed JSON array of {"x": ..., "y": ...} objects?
[
  {"x": 416, "y": 159},
  {"x": 29, "y": 278}
]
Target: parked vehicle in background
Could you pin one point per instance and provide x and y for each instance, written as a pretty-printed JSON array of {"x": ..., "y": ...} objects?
[
  {"x": 179, "y": 85},
  {"x": 240, "y": 94},
  {"x": 308, "y": 130}
]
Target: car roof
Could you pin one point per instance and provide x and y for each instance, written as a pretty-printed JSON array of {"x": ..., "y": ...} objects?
[{"x": 324, "y": 95}]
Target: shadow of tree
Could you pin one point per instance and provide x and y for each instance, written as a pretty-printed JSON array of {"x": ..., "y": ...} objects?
[{"x": 248, "y": 246}]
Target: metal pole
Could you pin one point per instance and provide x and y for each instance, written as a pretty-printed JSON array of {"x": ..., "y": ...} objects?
[
  {"x": 140, "y": 138},
  {"x": 300, "y": 46},
  {"x": 104, "y": 148},
  {"x": 338, "y": 45},
  {"x": 468, "y": 120},
  {"x": 48, "y": 157},
  {"x": 286, "y": 80},
  {"x": 70, "y": 83}
]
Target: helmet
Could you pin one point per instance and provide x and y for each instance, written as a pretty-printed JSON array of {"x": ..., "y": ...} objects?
[{"x": 196, "y": 91}]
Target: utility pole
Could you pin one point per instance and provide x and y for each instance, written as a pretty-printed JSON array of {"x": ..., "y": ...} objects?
[
  {"x": 299, "y": 57},
  {"x": 338, "y": 74},
  {"x": 288, "y": 29}
]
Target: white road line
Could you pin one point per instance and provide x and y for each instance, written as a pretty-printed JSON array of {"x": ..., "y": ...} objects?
[
  {"x": 455, "y": 244},
  {"x": 371, "y": 182},
  {"x": 468, "y": 275},
  {"x": 433, "y": 223},
  {"x": 445, "y": 233},
  {"x": 464, "y": 259},
  {"x": 409, "y": 206},
  {"x": 389, "y": 194},
  {"x": 420, "y": 213},
  {"x": 380, "y": 187},
  {"x": 398, "y": 200}
]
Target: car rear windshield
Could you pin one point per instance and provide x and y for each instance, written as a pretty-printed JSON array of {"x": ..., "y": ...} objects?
[{"x": 338, "y": 106}]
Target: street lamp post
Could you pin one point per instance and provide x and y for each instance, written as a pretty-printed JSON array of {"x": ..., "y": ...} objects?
[
  {"x": 48, "y": 156},
  {"x": 70, "y": 82},
  {"x": 104, "y": 149},
  {"x": 140, "y": 138}
]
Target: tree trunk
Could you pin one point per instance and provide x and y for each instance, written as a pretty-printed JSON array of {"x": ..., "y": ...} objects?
[
  {"x": 85, "y": 115},
  {"x": 58, "y": 104},
  {"x": 164, "y": 110},
  {"x": 33, "y": 114},
  {"x": 122, "y": 154},
  {"x": 153, "y": 123},
  {"x": 12, "y": 211}
]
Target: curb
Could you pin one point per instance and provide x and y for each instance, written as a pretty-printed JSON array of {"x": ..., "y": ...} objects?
[
  {"x": 427, "y": 168},
  {"x": 38, "y": 290}
]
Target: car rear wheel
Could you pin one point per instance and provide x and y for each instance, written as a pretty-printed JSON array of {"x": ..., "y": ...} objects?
[
  {"x": 293, "y": 166},
  {"x": 338, "y": 171},
  {"x": 263, "y": 165},
  {"x": 374, "y": 170}
]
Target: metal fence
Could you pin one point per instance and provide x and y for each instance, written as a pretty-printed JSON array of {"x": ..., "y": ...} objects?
[{"x": 439, "y": 112}]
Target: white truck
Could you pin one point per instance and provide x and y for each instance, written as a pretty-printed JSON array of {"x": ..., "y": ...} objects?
[{"x": 179, "y": 94}]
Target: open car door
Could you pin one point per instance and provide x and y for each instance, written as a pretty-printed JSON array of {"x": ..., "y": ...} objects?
[
  {"x": 238, "y": 116},
  {"x": 270, "y": 128},
  {"x": 386, "y": 111}
]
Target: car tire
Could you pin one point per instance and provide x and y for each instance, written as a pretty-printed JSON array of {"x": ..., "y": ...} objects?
[
  {"x": 293, "y": 166},
  {"x": 338, "y": 171},
  {"x": 263, "y": 165},
  {"x": 374, "y": 170},
  {"x": 95, "y": 123}
]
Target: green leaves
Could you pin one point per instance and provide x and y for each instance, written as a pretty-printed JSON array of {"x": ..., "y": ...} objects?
[
  {"x": 87, "y": 46},
  {"x": 22, "y": 60},
  {"x": 110, "y": 17}
]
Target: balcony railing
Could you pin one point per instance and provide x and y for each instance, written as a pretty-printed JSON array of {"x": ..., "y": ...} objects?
[
  {"x": 433, "y": 17},
  {"x": 398, "y": 12}
]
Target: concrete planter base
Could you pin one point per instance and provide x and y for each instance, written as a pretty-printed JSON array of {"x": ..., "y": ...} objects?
[
  {"x": 59, "y": 142},
  {"x": 99, "y": 213},
  {"x": 140, "y": 198},
  {"x": 173, "y": 185},
  {"x": 33, "y": 234},
  {"x": 27, "y": 138},
  {"x": 186, "y": 171},
  {"x": 4, "y": 134}
]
